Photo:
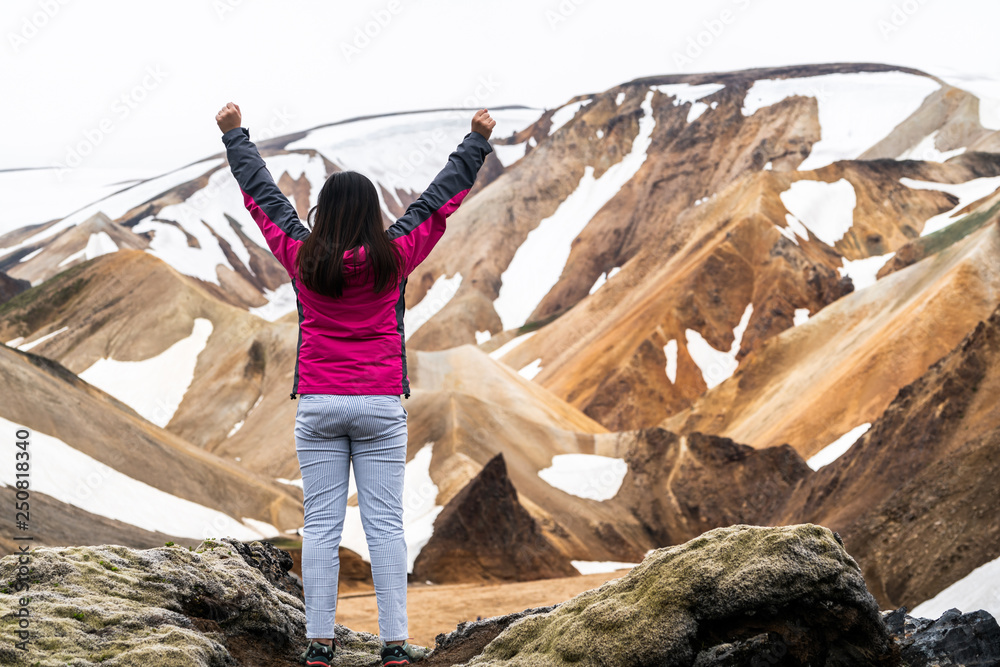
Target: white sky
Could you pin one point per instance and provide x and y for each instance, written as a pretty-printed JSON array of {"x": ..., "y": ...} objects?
[{"x": 285, "y": 60}]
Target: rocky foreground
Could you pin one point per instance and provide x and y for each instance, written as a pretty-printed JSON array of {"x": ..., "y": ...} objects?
[{"x": 742, "y": 595}]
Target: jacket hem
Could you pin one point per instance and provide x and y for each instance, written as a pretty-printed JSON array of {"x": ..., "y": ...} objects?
[{"x": 353, "y": 391}]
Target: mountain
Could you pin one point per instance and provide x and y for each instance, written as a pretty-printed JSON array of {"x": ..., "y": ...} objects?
[
  {"x": 194, "y": 219},
  {"x": 914, "y": 495},
  {"x": 813, "y": 383},
  {"x": 671, "y": 306},
  {"x": 98, "y": 468}
]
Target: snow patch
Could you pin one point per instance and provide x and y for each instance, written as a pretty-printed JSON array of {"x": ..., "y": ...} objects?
[
  {"x": 837, "y": 448},
  {"x": 715, "y": 365},
  {"x": 565, "y": 114},
  {"x": 856, "y": 110},
  {"x": 600, "y": 567},
  {"x": 436, "y": 298},
  {"x": 33, "y": 254},
  {"x": 600, "y": 133},
  {"x": 603, "y": 278},
  {"x": 98, "y": 244},
  {"x": 586, "y": 475},
  {"x": 825, "y": 209},
  {"x": 153, "y": 387},
  {"x": 509, "y": 154},
  {"x": 864, "y": 272},
  {"x": 482, "y": 337},
  {"x": 670, "y": 350},
  {"x": 686, "y": 93},
  {"x": 980, "y": 589},
  {"x": 24, "y": 347},
  {"x": 510, "y": 345},
  {"x": 927, "y": 150},
  {"x": 236, "y": 427},
  {"x": 619, "y": 99},
  {"x": 801, "y": 316},
  {"x": 531, "y": 370},
  {"x": 539, "y": 261},
  {"x": 967, "y": 193},
  {"x": 72, "y": 477},
  {"x": 280, "y": 302}
]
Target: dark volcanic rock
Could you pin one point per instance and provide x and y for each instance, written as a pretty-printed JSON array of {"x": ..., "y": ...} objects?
[
  {"x": 972, "y": 639},
  {"x": 469, "y": 639},
  {"x": 915, "y": 497},
  {"x": 484, "y": 533},
  {"x": 11, "y": 287},
  {"x": 680, "y": 486},
  {"x": 275, "y": 564}
]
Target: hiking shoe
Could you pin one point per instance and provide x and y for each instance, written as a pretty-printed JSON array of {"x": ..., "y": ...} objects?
[
  {"x": 317, "y": 655},
  {"x": 416, "y": 652},
  {"x": 393, "y": 655}
]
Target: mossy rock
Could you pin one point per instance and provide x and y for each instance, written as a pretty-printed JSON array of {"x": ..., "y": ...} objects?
[
  {"x": 740, "y": 595},
  {"x": 116, "y": 606}
]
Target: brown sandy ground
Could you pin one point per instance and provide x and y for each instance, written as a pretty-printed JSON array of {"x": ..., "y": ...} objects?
[{"x": 439, "y": 608}]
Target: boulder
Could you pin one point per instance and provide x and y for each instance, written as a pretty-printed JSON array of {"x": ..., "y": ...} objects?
[
  {"x": 733, "y": 596},
  {"x": 222, "y": 603}
]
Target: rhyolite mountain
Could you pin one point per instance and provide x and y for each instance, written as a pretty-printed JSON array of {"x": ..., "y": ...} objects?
[{"x": 671, "y": 306}]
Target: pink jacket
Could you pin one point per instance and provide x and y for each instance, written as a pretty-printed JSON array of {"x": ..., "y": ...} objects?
[{"x": 353, "y": 344}]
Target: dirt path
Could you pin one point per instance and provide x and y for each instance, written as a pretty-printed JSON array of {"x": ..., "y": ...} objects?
[{"x": 436, "y": 609}]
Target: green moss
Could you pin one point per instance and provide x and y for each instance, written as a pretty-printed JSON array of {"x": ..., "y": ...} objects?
[
  {"x": 32, "y": 308},
  {"x": 652, "y": 615},
  {"x": 944, "y": 238},
  {"x": 130, "y": 607}
]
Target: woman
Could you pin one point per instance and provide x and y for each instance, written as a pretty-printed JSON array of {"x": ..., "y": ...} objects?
[{"x": 349, "y": 274}]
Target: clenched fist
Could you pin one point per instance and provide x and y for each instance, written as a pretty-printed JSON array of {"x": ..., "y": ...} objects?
[
  {"x": 483, "y": 124},
  {"x": 229, "y": 117}
]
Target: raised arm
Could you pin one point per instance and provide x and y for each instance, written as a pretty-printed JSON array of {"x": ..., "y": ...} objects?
[
  {"x": 270, "y": 209},
  {"x": 422, "y": 225}
]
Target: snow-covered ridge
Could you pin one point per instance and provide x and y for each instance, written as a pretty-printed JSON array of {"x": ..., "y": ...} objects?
[
  {"x": 539, "y": 260},
  {"x": 72, "y": 477},
  {"x": 686, "y": 93},
  {"x": 856, "y": 110},
  {"x": 403, "y": 152},
  {"x": 121, "y": 202}
]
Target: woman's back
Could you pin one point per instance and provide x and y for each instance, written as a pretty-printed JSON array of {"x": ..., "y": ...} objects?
[{"x": 351, "y": 344}]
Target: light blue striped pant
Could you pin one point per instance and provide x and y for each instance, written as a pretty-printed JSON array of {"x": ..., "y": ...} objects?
[{"x": 331, "y": 431}]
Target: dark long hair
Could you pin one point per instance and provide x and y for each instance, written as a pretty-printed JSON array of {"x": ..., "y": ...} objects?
[{"x": 347, "y": 217}]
